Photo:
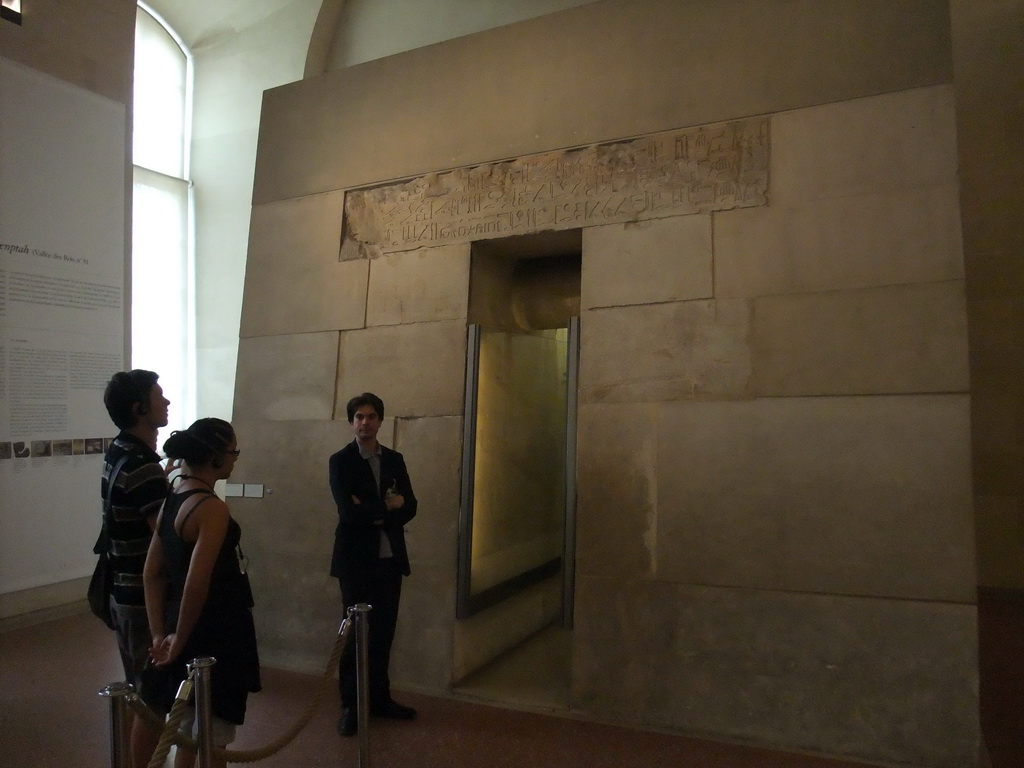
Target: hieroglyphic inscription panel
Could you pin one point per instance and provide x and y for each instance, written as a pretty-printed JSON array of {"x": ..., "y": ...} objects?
[{"x": 710, "y": 168}]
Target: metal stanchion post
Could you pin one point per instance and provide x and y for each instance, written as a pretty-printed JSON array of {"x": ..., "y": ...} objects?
[
  {"x": 204, "y": 709},
  {"x": 359, "y": 612},
  {"x": 120, "y": 752}
]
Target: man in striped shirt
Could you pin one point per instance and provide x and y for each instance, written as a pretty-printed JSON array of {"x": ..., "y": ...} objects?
[{"x": 137, "y": 406}]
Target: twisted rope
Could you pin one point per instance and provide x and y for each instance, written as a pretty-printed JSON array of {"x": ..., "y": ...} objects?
[
  {"x": 170, "y": 732},
  {"x": 173, "y": 721}
]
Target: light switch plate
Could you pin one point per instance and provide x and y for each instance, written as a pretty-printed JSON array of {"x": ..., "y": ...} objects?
[{"x": 253, "y": 491}]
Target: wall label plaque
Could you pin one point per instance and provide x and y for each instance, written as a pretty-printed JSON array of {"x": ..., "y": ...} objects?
[{"x": 698, "y": 170}]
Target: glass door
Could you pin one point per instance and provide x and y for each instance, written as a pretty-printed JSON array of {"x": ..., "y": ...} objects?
[{"x": 518, "y": 496}]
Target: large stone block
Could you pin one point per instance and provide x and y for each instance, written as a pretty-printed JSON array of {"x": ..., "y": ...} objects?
[
  {"x": 297, "y": 610},
  {"x": 418, "y": 369},
  {"x": 697, "y": 65},
  {"x": 664, "y": 352},
  {"x": 899, "y": 339},
  {"x": 419, "y": 286},
  {"x": 894, "y": 237},
  {"x": 284, "y": 378},
  {"x": 288, "y": 536},
  {"x": 289, "y": 459},
  {"x": 891, "y": 681},
  {"x": 647, "y": 262},
  {"x": 896, "y": 141},
  {"x": 294, "y": 280},
  {"x": 421, "y": 658},
  {"x": 857, "y": 496},
  {"x": 432, "y": 448},
  {"x": 615, "y": 522}
]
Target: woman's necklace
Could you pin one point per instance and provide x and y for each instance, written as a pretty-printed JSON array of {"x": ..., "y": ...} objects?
[{"x": 197, "y": 479}]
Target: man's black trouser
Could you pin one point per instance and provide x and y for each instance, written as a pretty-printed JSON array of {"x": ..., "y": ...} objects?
[{"x": 381, "y": 588}]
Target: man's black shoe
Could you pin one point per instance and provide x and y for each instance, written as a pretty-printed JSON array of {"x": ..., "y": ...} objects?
[
  {"x": 348, "y": 724},
  {"x": 392, "y": 710}
]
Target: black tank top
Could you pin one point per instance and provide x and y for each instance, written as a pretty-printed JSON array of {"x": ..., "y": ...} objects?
[{"x": 228, "y": 581}]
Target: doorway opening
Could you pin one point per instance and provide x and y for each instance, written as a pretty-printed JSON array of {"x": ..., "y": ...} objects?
[{"x": 517, "y": 522}]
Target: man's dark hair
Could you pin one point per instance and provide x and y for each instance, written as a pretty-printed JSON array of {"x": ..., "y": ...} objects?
[
  {"x": 124, "y": 390},
  {"x": 367, "y": 398}
]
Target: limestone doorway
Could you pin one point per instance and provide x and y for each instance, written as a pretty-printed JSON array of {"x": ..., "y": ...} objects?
[{"x": 517, "y": 521}]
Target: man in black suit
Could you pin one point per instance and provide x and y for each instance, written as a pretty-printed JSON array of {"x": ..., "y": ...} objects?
[{"x": 375, "y": 500}]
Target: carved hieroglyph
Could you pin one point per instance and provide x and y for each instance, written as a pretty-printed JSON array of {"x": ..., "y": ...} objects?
[{"x": 710, "y": 168}]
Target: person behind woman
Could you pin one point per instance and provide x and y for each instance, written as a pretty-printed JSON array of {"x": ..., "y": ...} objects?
[{"x": 198, "y": 600}]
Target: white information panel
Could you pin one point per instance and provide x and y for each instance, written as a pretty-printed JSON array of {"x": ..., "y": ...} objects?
[{"x": 62, "y": 265}]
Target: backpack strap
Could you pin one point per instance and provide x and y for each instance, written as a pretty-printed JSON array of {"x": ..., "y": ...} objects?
[{"x": 102, "y": 545}]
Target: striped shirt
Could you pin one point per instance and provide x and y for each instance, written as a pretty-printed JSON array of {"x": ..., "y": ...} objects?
[{"x": 136, "y": 495}]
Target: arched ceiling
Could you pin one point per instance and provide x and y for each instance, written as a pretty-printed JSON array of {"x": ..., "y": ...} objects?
[
  {"x": 371, "y": 28},
  {"x": 200, "y": 22}
]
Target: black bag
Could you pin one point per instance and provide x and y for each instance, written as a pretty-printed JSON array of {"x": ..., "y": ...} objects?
[
  {"x": 100, "y": 586},
  {"x": 102, "y": 582}
]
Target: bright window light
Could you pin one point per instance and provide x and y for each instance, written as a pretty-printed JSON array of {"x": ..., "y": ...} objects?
[
  {"x": 161, "y": 288},
  {"x": 161, "y": 113},
  {"x": 162, "y": 292}
]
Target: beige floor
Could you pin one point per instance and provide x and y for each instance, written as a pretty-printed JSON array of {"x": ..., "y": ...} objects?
[{"x": 51, "y": 716}]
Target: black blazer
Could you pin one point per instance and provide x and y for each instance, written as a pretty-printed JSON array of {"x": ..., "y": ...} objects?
[{"x": 357, "y": 536}]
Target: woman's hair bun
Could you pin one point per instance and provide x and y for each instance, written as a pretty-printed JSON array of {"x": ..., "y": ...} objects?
[{"x": 204, "y": 442}]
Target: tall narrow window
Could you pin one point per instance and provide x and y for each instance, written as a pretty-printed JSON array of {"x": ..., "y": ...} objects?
[{"x": 162, "y": 296}]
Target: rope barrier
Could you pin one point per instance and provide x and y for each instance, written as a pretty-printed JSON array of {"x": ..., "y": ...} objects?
[
  {"x": 171, "y": 735},
  {"x": 173, "y": 721}
]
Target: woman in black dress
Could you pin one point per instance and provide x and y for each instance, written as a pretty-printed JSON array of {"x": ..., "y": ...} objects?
[{"x": 198, "y": 600}]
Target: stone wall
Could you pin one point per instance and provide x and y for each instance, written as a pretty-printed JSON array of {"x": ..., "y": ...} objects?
[
  {"x": 773, "y": 464},
  {"x": 775, "y": 531}
]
